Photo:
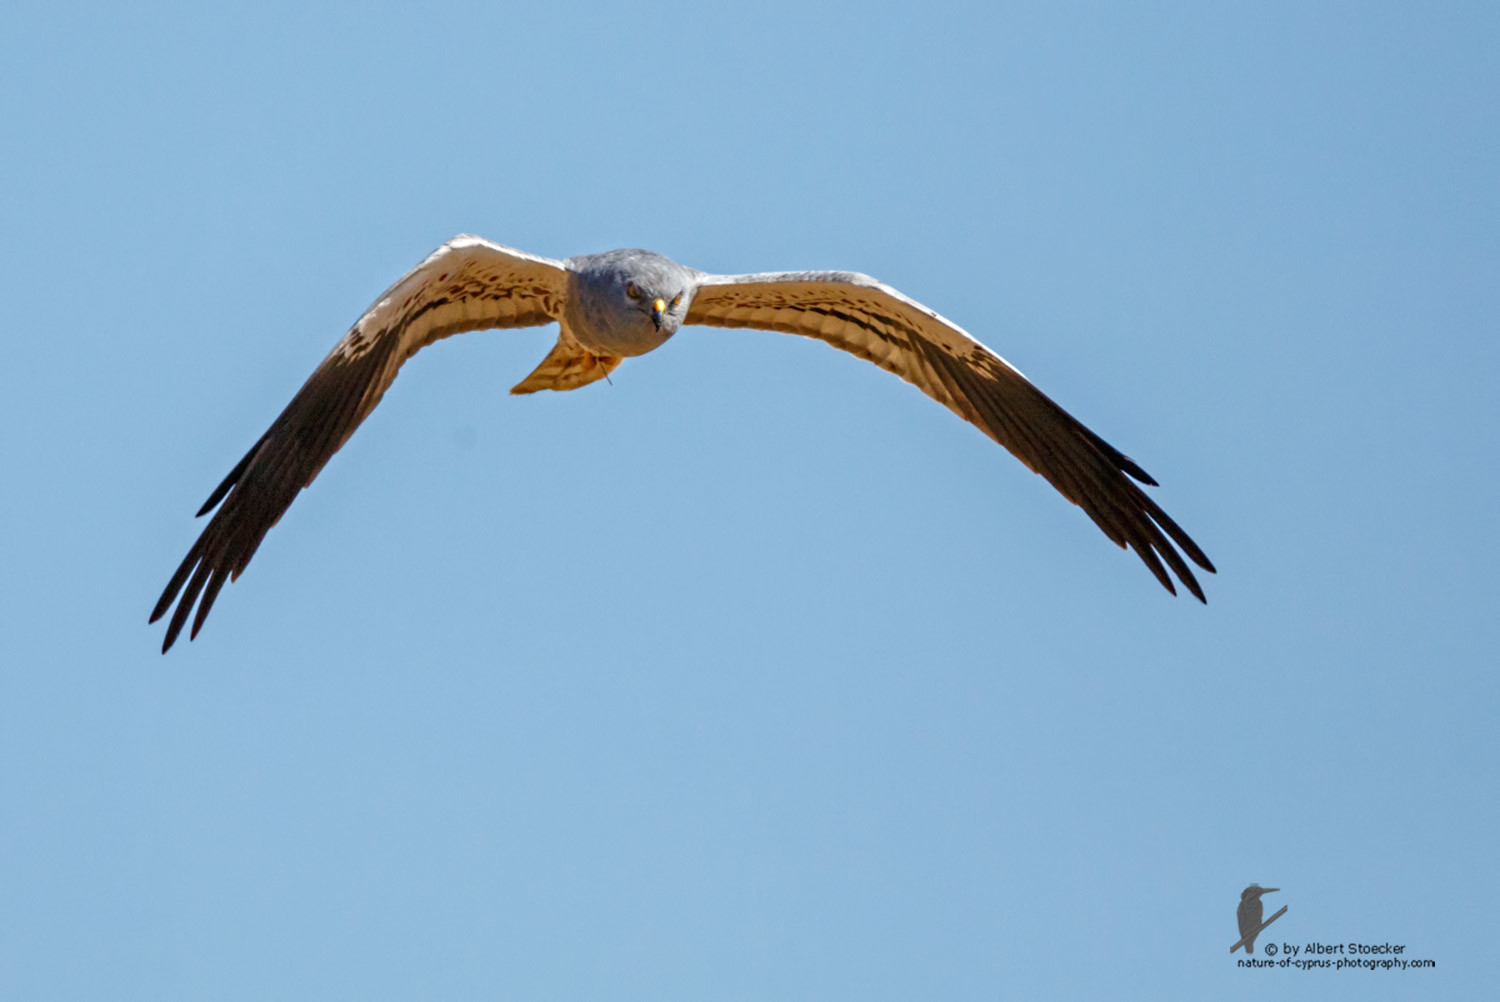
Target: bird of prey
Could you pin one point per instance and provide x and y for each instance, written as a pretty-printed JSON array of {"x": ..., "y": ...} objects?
[
  {"x": 1249, "y": 913},
  {"x": 621, "y": 303}
]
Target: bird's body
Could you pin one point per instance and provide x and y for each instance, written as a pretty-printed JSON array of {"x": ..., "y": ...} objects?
[
  {"x": 1250, "y": 913},
  {"x": 624, "y": 303}
]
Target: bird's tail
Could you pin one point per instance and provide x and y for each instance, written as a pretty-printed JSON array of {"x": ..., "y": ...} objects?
[{"x": 567, "y": 366}]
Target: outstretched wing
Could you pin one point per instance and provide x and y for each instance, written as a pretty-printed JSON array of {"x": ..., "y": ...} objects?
[
  {"x": 465, "y": 285},
  {"x": 874, "y": 321}
]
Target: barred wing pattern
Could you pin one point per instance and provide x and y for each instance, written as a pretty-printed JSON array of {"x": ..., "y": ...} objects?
[
  {"x": 467, "y": 284},
  {"x": 859, "y": 315}
]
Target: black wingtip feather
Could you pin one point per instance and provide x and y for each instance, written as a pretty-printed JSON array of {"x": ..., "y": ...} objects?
[
  {"x": 1182, "y": 539},
  {"x": 1151, "y": 560},
  {"x": 229, "y": 481},
  {"x": 185, "y": 606},
  {"x": 207, "y": 602},
  {"x": 1191, "y": 582},
  {"x": 175, "y": 585},
  {"x": 1138, "y": 473}
]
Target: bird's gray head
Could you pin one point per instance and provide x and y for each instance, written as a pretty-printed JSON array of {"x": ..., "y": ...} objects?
[
  {"x": 628, "y": 301},
  {"x": 1255, "y": 891}
]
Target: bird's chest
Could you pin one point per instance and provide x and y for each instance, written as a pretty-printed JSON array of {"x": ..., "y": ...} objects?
[{"x": 613, "y": 330}]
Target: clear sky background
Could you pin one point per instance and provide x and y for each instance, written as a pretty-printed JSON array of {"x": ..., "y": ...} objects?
[{"x": 755, "y": 675}]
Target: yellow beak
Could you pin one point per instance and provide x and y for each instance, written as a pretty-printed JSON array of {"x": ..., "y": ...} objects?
[{"x": 657, "y": 309}]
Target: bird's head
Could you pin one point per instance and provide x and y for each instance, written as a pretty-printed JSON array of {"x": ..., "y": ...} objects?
[
  {"x": 635, "y": 299},
  {"x": 1255, "y": 891}
]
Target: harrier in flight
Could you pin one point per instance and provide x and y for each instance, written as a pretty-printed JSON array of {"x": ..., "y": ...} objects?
[{"x": 621, "y": 303}]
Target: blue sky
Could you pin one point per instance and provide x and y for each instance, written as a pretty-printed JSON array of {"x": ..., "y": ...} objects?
[{"x": 755, "y": 674}]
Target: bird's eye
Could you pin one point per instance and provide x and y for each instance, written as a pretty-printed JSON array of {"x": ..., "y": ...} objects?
[
  {"x": 633, "y": 291},
  {"x": 677, "y": 299}
]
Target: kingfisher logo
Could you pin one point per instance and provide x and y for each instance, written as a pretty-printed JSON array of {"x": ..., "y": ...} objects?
[
  {"x": 1249, "y": 915},
  {"x": 1310, "y": 955}
]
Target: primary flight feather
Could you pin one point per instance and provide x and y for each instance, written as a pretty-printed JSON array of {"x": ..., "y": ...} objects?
[{"x": 627, "y": 302}]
